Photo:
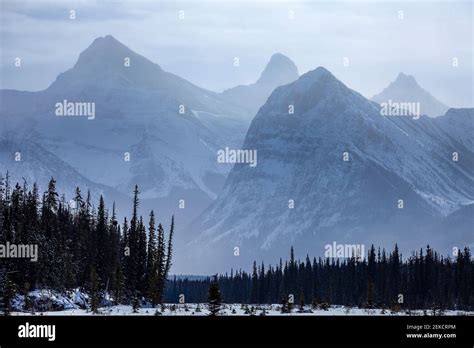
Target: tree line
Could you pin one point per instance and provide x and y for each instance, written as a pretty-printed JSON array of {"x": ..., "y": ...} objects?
[
  {"x": 425, "y": 280},
  {"x": 82, "y": 247}
]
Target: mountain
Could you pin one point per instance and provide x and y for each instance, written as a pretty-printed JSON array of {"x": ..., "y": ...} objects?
[
  {"x": 280, "y": 70},
  {"x": 102, "y": 65},
  {"x": 168, "y": 128},
  {"x": 35, "y": 164},
  {"x": 458, "y": 124},
  {"x": 301, "y": 161},
  {"x": 405, "y": 89}
]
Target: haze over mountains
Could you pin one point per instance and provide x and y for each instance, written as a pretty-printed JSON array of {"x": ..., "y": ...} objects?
[
  {"x": 405, "y": 89},
  {"x": 171, "y": 130},
  {"x": 279, "y": 71},
  {"x": 301, "y": 161}
]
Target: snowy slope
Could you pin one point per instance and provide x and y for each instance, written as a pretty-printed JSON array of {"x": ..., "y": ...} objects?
[
  {"x": 172, "y": 154},
  {"x": 279, "y": 71},
  {"x": 28, "y": 162},
  {"x": 406, "y": 89},
  {"x": 301, "y": 159}
]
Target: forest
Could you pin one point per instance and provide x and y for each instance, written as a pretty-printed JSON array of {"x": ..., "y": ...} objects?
[
  {"x": 425, "y": 280},
  {"x": 81, "y": 246}
]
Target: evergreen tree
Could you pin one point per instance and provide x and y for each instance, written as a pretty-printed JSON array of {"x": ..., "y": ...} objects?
[
  {"x": 133, "y": 271},
  {"x": 214, "y": 297},
  {"x": 151, "y": 251},
  {"x": 9, "y": 292},
  {"x": 115, "y": 266},
  {"x": 99, "y": 246},
  {"x": 371, "y": 270},
  {"x": 160, "y": 263},
  {"x": 169, "y": 253},
  {"x": 301, "y": 309},
  {"x": 154, "y": 285},
  {"x": 254, "y": 293},
  {"x": 142, "y": 258},
  {"x": 284, "y": 305},
  {"x": 94, "y": 291}
]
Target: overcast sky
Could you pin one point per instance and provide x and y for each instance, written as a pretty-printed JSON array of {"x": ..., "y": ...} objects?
[{"x": 201, "y": 46}]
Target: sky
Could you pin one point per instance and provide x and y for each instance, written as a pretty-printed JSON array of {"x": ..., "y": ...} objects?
[{"x": 199, "y": 40}]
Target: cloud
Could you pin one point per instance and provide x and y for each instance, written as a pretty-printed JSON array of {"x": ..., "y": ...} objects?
[
  {"x": 201, "y": 47},
  {"x": 90, "y": 10}
]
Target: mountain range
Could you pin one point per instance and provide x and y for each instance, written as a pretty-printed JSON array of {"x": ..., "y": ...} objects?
[
  {"x": 337, "y": 170},
  {"x": 167, "y": 128},
  {"x": 330, "y": 166}
]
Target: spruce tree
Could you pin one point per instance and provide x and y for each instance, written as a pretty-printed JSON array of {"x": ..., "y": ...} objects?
[
  {"x": 169, "y": 253},
  {"x": 151, "y": 250},
  {"x": 132, "y": 271},
  {"x": 160, "y": 264},
  {"x": 254, "y": 291},
  {"x": 301, "y": 308},
  {"x": 10, "y": 290},
  {"x": 115, "y": 268},
  {"x": 284, "y": 305},
  {"x": 214, "y": 297},
  {"x": 151, "y": 259},
  {"x": 142, "y": 258},
  {"x": 99, "y": 246},
  {"x": 94, "y": 291}
]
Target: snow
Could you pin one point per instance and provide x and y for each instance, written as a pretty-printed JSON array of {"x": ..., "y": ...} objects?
[
  {"x": 300, "y": 159},
  {"x": 406, "y": 89},
  {"x": 75, "y": 303},
  {"x": 137, "y": 112},
  {"x": 241, "y": 310},
  {"x": 50, "y": 299}
]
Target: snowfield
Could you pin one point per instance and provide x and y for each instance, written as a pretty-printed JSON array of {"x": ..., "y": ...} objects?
[
  {"x": 191, "y": 309},
  {"x": 52, "y": 303}
]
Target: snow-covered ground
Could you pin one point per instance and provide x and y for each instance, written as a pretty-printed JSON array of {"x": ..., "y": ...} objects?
[
  {"x": 52, "y": 303},
  {"x": 238, "y": 310}
]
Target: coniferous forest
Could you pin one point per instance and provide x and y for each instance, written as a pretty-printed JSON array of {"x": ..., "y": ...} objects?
[
  {"x": 84, "y": 247},
  {"x": 424, "y": 280}
]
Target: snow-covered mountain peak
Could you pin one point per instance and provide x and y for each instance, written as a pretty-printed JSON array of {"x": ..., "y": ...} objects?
[
  {"x": 110, "y": 54},
  {"x": 406, "y": 81},
  {"x": 279, "y": 70},
  {"x": 317, "y": 89},
  {"x": 313, "y": 76},
  {"x": 108, "y": 62},
  {"x": 406, "y": 89}
]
